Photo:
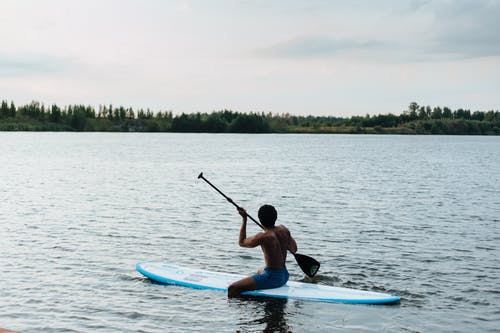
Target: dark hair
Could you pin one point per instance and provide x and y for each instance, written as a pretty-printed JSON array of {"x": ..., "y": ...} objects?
[{"x": 267, "y": 216}]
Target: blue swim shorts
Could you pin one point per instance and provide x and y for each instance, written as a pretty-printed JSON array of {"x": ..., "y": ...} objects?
[{"x": 271, "y": 278}]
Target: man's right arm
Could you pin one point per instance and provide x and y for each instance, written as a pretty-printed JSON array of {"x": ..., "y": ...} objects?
[{"x": 292, "y": 244}]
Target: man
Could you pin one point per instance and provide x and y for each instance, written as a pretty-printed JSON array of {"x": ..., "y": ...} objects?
[{"x": 275, "y": 241}]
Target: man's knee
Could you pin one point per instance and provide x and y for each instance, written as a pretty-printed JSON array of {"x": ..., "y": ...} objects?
[{"x": 233, "y": 291}]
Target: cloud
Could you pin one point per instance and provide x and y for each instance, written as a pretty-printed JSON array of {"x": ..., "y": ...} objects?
[
  {"x": 459, "y": 29},
  {"x": 32, "y": 64},
  {"x": 408, "y": 31},
  {"x": 468, "y": 28},
  {"x": 316, "y": 47},
  {"x": 183, "y": 7}
]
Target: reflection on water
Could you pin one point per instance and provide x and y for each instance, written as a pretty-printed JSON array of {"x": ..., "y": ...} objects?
[{"x": 267, "y": 314}]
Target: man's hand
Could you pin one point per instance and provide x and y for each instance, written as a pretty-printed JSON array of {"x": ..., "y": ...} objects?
[{"x": 243, "y": 213}]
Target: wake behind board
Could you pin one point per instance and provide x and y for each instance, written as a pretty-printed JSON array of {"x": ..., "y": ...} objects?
[{"x": 201, "y": 279}]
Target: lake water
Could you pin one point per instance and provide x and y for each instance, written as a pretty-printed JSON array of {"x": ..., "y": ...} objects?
[{"x": 415, "y": 216}]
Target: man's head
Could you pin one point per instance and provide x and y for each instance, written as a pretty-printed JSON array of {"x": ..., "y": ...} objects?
[{"x": 267, "y": 216}]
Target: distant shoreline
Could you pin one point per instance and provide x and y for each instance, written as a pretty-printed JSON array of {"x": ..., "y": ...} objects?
[{"x": 416, "y": 120}]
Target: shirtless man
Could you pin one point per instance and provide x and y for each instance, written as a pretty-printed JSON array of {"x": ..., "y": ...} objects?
[{"x": 275, "y": 241}]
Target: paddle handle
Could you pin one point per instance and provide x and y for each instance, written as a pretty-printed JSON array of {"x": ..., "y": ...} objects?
[{"x": 200, "y": 176}]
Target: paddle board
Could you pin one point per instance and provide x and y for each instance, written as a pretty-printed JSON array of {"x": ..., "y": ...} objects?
[{"x": 202, "y": 279}]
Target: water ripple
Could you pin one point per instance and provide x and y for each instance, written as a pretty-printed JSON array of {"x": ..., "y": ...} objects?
[{"x": 411, "y": 216}]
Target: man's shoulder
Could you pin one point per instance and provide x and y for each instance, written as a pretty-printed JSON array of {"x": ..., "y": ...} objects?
[{"x": 282, "y": 227}]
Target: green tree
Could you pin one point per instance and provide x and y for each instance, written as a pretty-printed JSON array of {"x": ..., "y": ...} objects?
[
  {"x": 437, "y": 113},
  {"x": 413, "y": 108},
  {"x": 249, "y": 123},
  {"x": 4, "y": 110},
  {"x": 187, "y": 123},
  {"x": 78, "y": 120},
  {"x": 55, "y": 114},
  {"x": 214, "y": 124},
  {"x": 478, "y": 115},
  {"x": 422, "y": 113},
  {"x": 110, "y": 112},
  {"x": 461, "y": 114},
  {"x": 447, "y": 113},
  {"x": 130, "y": 113},
  {"x": 12, "y": 110},
  {"x": 490, "y": 116}
]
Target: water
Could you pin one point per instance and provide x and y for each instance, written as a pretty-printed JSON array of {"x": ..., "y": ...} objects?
[{"x": 416, "y": 216}]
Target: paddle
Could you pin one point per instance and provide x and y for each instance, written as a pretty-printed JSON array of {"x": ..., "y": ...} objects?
[{"x": 309, "y": 265}]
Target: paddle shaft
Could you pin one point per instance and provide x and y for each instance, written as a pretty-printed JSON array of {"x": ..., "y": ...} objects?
[{"x": 228, "y": 199}]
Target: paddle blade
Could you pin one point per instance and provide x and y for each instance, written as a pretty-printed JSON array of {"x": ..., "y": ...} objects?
[{"x": 309, "y": 265}]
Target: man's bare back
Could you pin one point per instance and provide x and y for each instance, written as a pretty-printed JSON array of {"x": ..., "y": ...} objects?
[{"x": 275, "y": 243}]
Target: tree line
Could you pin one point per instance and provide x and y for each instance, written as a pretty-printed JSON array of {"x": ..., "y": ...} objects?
[{"x": 416, "y": 119}]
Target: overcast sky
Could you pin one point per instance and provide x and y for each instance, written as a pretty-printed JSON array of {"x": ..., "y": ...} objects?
[{"x": 315, "y": 57}]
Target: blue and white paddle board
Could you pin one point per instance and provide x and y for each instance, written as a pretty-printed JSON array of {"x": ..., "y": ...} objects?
[{"x": 202, "y": 279}]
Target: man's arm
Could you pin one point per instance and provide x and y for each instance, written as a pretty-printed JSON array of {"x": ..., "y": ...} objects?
[
  {"x": 292, "y": 244},
  {"x": 243, "y": 240}
]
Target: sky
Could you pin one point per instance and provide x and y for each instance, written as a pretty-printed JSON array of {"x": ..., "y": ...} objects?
[{"x": 309, "y": 57}]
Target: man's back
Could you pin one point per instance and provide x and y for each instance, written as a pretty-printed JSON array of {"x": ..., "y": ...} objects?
[{"x": 275, "y": 244}]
